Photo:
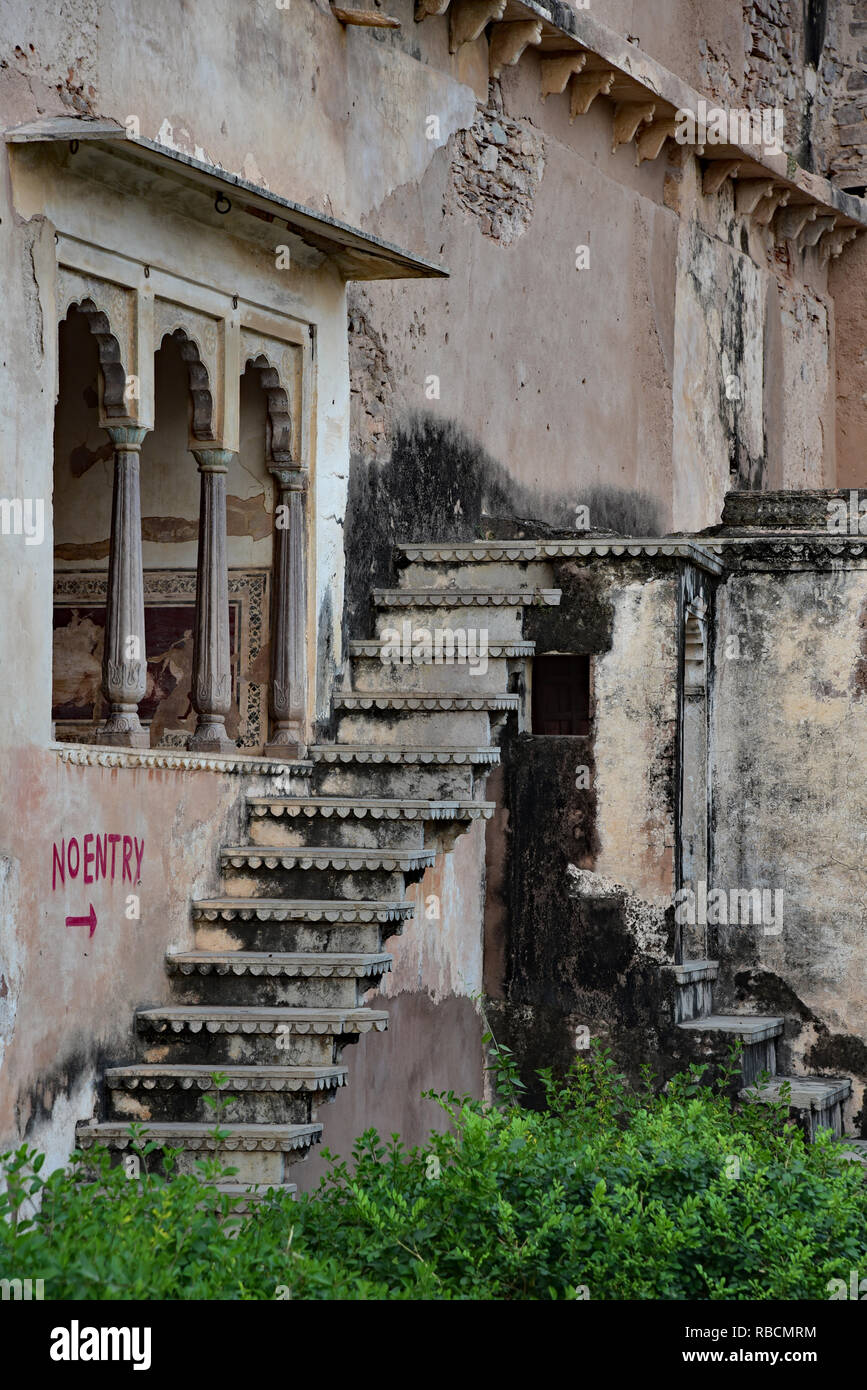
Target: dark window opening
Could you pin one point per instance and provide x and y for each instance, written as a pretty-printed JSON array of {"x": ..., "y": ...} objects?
[{"x": 561, "y": 694}]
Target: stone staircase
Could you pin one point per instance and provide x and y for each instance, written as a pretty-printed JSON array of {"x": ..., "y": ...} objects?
[
  {"x": 274, "y": 986},
  {"x": 815, "y": 1102}
]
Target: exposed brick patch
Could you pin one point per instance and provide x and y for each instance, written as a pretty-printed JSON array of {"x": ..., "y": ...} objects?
[
  {"x": 369, "y": 381},
  {"x": 497, "y": 166}
]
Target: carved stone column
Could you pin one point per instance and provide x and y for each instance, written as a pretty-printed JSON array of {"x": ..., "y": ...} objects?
[
  {"x": 212, "y": 676},
  {"x": 289, "y": 618},
  {"x": 124, "y": 664}
]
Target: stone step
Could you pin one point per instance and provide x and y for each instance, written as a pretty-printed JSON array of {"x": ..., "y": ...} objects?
[
  {"x": 234, "y": 923},
  {"x": 449, "y": 625},
  {"x": 402, "y": 755},
  {"x": 418, "y": 729},
  {"x": 345, "y": 857},
  {"x": 447, "y": 596},
  {"x": 322, "y": 871},
  {"x": 467, "y": 574},
  {"x": 416, "y": 702},
  {"x": 218, "y": 1034},
  {"x": 326, "y": 979},
  {"x": 816, "y": 1102},
  {"x": 263, "y": 1095},
  {"x": 751, "y": 1028},
  {"x": 694, "y": 994},
  {"x": 857, "y": 1149},
  {"x": 419, "y": 668},
  {"x": 314, "y": 910},
  {"x": 714, "y": 1033},
  {"x": 260, "y": 1153},
  {"x": 544, "y": 550},
  {"x": 432, "y": 773},
  {"x": 375, "y": 822},
  {"x": 247, "y": 1198}
]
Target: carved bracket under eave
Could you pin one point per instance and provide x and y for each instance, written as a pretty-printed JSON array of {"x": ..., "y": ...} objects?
[
  {"x": 651, "y": 139},
  {"x": 556, "y": 72},
  {"x": 423, "y": 8},
  {"x": 817, "y": 229},
  {"x": 508, "y": 42},
  {"x": 467, "y": 19},
  {"x": 750, "y": 192},
  {"x": 716, "y": 174},
  {"x": 586, "y": 87},
  {"x": 833, "y": 242},
  {"x": 791, "y": 221},
  {"x": 628, "y": 116},
  {"x": 777, "y": 198}
]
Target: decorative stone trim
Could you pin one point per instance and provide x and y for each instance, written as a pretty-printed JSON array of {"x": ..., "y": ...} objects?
[
  {"x": 349, "y": 860},
  {"x": 90, "y": 755},
  {"x": 467, "y": 552},
  {"x": 466, "y": 598},
  {"x": 804, "y": 550},
  {"x": 196, "y": 1137},
  {"x": 200, "y": 1078},
  {"x": 262, "y": 1022},
  {"x": 496, "y": 649},
  {"x": 294, "y": 965},
  {"x": 300, "y": 910},
  {"x": 352, "y": 700},
  {"x": 372, "y": 810},
  {"x": 334, "y": 753}
]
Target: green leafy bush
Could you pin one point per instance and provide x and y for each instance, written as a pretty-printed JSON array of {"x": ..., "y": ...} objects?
[{"x": 607, "y": 1194}]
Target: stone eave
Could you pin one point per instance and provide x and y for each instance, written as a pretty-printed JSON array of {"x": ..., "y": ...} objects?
[
  {"x": 636, "y": 79},
  {"x": 358, "y": 255},
  {"x": 679, "y": 548}
]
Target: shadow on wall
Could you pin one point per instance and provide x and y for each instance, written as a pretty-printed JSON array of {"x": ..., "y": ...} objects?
[{"x": 439, "y": 484}]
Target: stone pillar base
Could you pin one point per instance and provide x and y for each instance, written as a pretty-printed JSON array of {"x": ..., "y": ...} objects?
[
  {"x": 292, "y": 750},
  {"x": 124, "y": 738},
  {"x": 124, "y": 729},
  {"x": 211, "y": 738}
]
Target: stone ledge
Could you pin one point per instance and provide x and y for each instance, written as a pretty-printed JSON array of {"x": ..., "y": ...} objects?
[
  {"x": 348, "y": 859},
  {"x": 300, "y": 910},
  {"x": 92, "y": 755},
  {"x": 564, "y": 548},
  {"x": 373, "y": 808}
]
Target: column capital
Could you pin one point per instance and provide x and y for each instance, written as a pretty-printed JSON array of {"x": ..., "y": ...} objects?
[
  {"x": 128, "y": 438},
  {"x": 289, "y": 476},
  {"x": 213, "y": 460}
]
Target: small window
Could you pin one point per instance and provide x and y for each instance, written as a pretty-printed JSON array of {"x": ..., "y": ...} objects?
[{"x": 561, "y": 694}]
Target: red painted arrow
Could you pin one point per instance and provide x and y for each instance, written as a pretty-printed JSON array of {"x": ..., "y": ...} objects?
[{"x": 88, "y": 921}]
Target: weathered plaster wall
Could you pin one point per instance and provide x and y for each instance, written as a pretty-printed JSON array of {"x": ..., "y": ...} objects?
[
  {"x": 848, "y": 281},
  {"x": 68, "y": 997},
  {"x": 790, "y": 810},
  {"x": 579, "y": 917},
  {"x": 434, "y": 1032}
]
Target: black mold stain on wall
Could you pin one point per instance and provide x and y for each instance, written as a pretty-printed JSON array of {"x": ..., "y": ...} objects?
[
  {"x": 582, "y": 621},
  {"x": 439, "y": 484}
]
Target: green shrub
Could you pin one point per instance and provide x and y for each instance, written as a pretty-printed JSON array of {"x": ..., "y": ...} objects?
[{"x": 620, "y": 1194}]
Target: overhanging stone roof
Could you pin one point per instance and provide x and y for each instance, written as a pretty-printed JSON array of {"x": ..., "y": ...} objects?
[{"x": 104, "y": 148}]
